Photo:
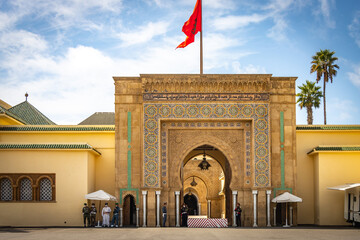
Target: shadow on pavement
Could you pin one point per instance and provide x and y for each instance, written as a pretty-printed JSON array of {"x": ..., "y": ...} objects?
[{"x": 13, "y": 230}]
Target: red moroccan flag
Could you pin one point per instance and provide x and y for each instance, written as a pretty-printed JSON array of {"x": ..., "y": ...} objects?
[{"x": 192, "y": 26}]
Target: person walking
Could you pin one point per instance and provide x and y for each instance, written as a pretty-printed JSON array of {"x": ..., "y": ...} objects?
[
  {"x": 93, "y": 212},
  {"x": 164, "y": 213},
  {"x": 184, "y": 215},
  {"x": 106, "y": 215},
  {"x": 238, "y": 211},
  {"x": 86, "y": 214},
  {"x": 115, "y": 216}
]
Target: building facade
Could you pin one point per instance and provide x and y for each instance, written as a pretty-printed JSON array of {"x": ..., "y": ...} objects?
[
  {"x": 165, "y": 131},
  {"x": 245, "y": 123}
]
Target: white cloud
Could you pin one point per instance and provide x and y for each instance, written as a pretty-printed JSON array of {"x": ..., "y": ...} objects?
[
  {"x": 21, "y": 41},
  {"x": 159, "y": 3},
  {"x": 279, "y": 5},
  {"x": 66, "y": 14},
  {"x": 275, "y": 10},
  {"x": 143, "y": 33},
  {"x": 248, "y": 69},
  {"x": 354, "y": 28},
  {"x": 342, "y": 110},
  {"x": 220, "y": 4},
  {"x": 325, "y": 11},
  {"x": 18, "y": 50},
  {"x": 6, "y": 20},
  {"x": 355, "y": 76},
  {"x": 69, "y": 88},
  {"x": 277, "y": 32},
  {"x": 233, "y": 22}
]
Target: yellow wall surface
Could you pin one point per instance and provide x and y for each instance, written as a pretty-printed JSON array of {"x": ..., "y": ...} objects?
[
  {"x": 78, "y": 172},
  {"x": 311, "y": 172},
  {"x": 102, "y": 141},
  {"x": 5, "y": 120},
  {"x": 335, "y": 169},
  {"x": 72, "y": 182}
]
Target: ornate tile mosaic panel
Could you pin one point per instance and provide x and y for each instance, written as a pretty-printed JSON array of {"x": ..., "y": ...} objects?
[{"x": 153, "y": 113}]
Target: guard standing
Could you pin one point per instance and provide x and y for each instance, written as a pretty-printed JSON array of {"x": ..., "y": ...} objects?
[
  {"x": 86, "y": 215},
  {"x": 164, "y": 212},
  {"x": 184, "y": 215},
  {"x": 238, "y": 214},
  {"x": 115, "y": 216},
  {"x": 93, "y": 212}
]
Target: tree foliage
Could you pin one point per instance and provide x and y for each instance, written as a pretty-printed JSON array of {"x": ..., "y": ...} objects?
[
  {"x": 308, "y": 98},
  {"x": 323, "y": 63}
]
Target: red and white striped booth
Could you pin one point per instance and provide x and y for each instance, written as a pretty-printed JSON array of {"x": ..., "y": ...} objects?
[{"x": 207, "y": 222}]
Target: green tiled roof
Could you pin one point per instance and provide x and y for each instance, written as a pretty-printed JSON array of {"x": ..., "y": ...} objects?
[
  {"x": 335, "y": 148},
  {"x": 328, "y": 127},
  {"x": 100, "y": 118},
  {"x": 29, "y": 114},
  {"x": 7, "y": 112},
  {"x": 48, "y": 146},
  {"x": 58, "y": 128}
]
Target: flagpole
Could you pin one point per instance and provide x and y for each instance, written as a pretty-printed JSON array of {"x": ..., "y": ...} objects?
[{"x": 201, "y": 43}]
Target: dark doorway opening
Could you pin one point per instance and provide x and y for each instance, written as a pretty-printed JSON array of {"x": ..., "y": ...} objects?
[
  {"x": 280, "y": 214},
  {"x": 192, "y": 203},
  {"x": 129, "y": 211}
]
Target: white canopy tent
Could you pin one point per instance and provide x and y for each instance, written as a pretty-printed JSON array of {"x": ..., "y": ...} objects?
[
  {"x": 345, "y": 186},
  {"x": 286, "y": 197},
  {"x": 101, "y": 196}
]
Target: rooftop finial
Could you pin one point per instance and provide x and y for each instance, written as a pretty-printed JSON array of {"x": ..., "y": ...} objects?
[{"x": 26, "y": 96}]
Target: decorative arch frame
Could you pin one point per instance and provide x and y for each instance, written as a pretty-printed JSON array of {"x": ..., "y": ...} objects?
[
  {"x": 154, "y": 113},
  {"x": 123, "y": 202},
  {"x": 33, "y": 187},
  {"x": 207, "y": 188},
  {"x": 199, "y": 142},
  {"x": 20, "y": 178},
  {"x": 38, "y": 180},
  {"x": 209, "y": 154},
  {"x": 128, "y": 195}
]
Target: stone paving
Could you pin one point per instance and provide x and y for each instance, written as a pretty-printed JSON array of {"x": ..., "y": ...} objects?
[{"x": 178, "y": 233}]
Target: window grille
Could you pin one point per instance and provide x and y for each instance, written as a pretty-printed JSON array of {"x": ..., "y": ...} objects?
[
  {"x": 45, "y": 190},
  {"x": 6, "y": 190},
  {"x": 25, "y": 190}
]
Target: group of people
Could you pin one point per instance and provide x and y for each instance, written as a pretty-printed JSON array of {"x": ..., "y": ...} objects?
[
  {"x": 184, "y": 214},
  {"x": 89, "y": 215}
]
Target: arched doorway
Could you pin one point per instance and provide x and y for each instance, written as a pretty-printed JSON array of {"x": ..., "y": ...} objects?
[
  {"x": 211, "y": 185},
  {"x": 129, "y": 209},
  {"x": 191, "y": 201}
]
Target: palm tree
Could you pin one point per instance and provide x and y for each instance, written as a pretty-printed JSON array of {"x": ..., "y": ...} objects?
[
  {"x": 323, "y": 65},
  {"x": 309, "y": 97}
]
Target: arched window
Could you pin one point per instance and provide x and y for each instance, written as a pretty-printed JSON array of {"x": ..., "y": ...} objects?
[
  {"x": 25, "y": 190},
  {"x": 6, "y": 190},
  {"x": 45, "y": 190}
]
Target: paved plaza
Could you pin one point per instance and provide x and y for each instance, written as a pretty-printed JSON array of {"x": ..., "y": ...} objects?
[{"x": 178, "y": 233}]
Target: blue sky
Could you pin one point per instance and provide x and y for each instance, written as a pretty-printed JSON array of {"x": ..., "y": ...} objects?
[{"x": 64, "y": 53}]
